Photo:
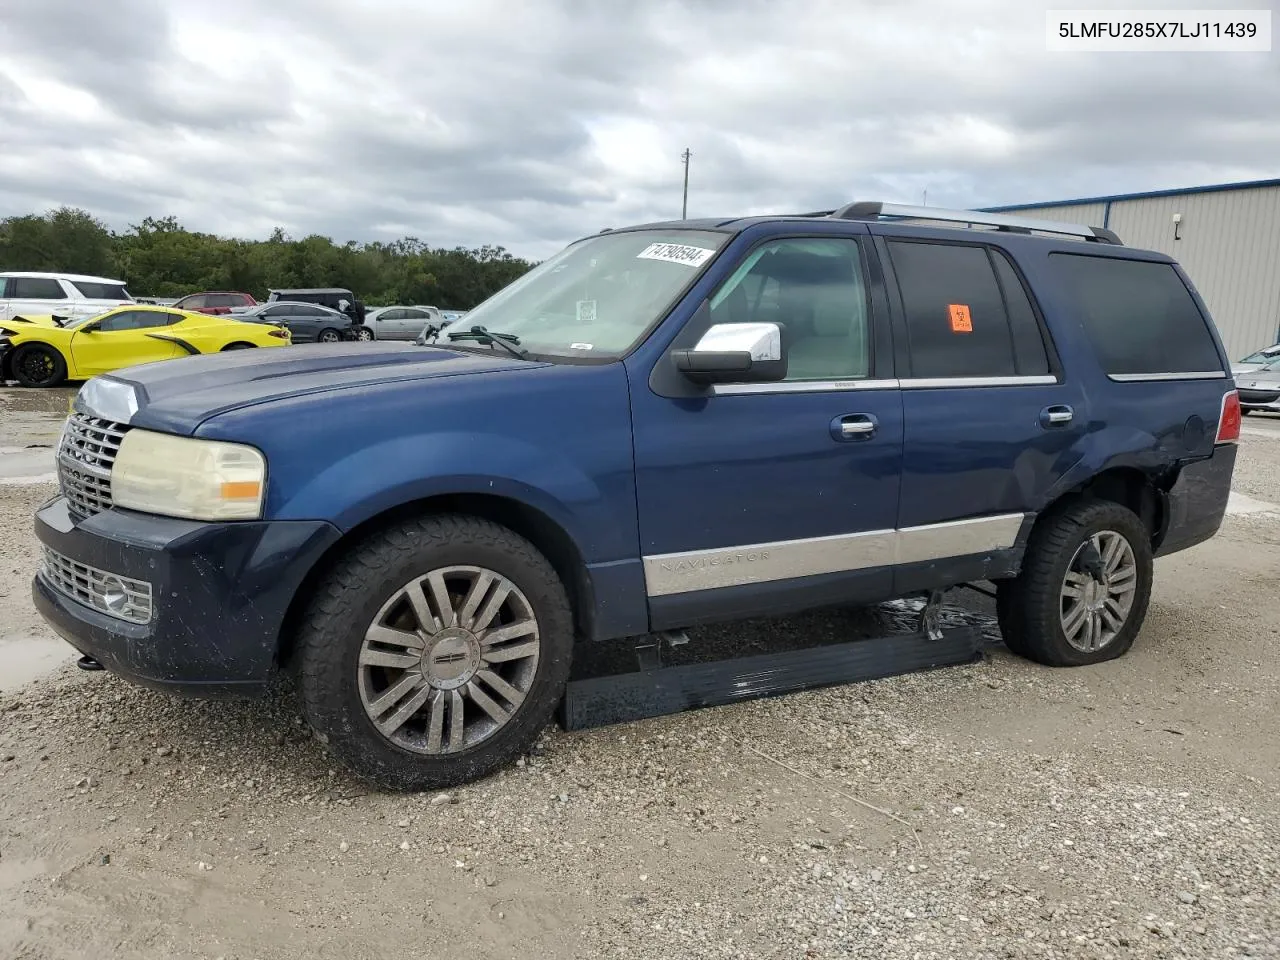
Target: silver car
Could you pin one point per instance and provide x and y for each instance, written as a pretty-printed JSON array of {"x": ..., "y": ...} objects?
[
  {"x": 1256, "y": 361},
  {"x": 1260, "y": 388},
  {"x": 400, "y": 323}
]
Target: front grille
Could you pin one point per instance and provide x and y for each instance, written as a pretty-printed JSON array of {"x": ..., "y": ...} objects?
[
  {"x": 89, "y": 446},
  {"x": 109, "y": 593}
]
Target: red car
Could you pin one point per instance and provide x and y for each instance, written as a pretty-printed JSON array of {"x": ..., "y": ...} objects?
[{"x": 214, "y": 302}]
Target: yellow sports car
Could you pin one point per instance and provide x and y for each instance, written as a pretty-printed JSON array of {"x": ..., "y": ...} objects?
[{"x": 45, "y": 351}]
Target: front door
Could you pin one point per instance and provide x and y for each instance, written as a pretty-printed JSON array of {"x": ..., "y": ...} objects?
[
  {"x": 757, "y": 498},
  {"x": 122, "y": 341},
  {"x": 992, "y": 424}
]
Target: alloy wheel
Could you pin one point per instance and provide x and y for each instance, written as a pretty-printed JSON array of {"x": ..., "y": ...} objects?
[
  {"x": 448, "y": 660},
  {"x": 1098, "y": 591}
]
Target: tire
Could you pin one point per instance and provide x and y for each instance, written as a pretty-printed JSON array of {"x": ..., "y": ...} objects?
[
  {"x": 363, "y": 333},
  {"x": 239, "y": 346},
  {"x": 349, "y": 675},
  {"x": 1034, "y": 608},
  {"x": 1244, "y": 411},
  {"x": 328, "y": 335},
  {"x": 38, "y": 365}
]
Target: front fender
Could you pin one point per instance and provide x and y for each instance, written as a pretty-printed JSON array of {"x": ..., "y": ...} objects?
[{"x": 397, "y": 471}]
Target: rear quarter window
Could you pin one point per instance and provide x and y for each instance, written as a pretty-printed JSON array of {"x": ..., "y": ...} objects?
[
  {"x": 92, "y": 290},
  {"x": 1139, "y": 316}
]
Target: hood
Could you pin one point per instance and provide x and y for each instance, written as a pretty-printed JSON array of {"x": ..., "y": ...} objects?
[
  {"x": 176, "y": 396},
  {"x": 1263, "y": 377}
]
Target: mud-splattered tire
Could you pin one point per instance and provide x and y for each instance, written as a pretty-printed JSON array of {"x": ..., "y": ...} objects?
[
  {"x": 435, "y": 652},
  {"x": 1040, "y": 611}
]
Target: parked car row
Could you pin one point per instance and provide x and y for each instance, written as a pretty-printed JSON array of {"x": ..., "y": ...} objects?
[{"x": 46, "y": 351}]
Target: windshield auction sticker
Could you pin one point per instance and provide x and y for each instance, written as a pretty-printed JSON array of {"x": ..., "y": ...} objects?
[{"x": 675, "y": 253}]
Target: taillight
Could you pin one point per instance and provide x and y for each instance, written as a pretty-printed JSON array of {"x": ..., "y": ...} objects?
[{"x": 1229, "y": 418}]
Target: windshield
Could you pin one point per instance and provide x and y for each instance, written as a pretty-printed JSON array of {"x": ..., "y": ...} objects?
[
  {"x": 1263, "y": 356},
  {"x": 598, "y": 297}
]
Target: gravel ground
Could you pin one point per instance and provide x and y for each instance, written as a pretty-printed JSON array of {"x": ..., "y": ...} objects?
[{"x": 1127, "y": 810}]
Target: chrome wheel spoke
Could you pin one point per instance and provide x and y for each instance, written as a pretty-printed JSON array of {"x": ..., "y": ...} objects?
[
  {"x": 393, "y": 695},
  {"x": 445, "y": 613},
  {"x": 510, "y": 632},
  {"x": 393, "y": 638},
  {"x": 487, "y": 704},
  {"x": 484, "y": 580},
  {"x": 457, "y": 723},
  {"x": 410, "y": 707},
  {"x": 1113, "y": 615},
  {"x": 384, "y": 658},
  {"x": 517, "y": 652},
  {"x": 497, "y": 597},
  {"x": 435, "y": 727},
  {"x": 1074, "y": 619}
]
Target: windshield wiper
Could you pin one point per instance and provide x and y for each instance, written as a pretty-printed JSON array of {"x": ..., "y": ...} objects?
[{"x": 508, "y": 341}]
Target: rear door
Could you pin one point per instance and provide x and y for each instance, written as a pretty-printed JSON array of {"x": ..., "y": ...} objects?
[
  {"x": 37, "y": 296},
  {"x": 991, "y": 423},
  {"x": 756, "y": 498}
]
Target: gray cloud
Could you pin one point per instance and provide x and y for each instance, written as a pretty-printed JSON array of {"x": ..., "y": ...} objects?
[{"x": 530, "y": 124}]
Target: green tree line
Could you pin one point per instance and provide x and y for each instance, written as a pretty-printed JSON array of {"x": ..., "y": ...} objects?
[{"x": 161, "y": 258}]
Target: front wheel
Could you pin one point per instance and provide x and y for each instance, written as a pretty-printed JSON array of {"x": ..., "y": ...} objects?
[
  {"x": 1082, "y": 595},
  {"x": 38, "y": 365},
  {"x": 435, "y": 652},
  {"x": 364, "y": 333}
]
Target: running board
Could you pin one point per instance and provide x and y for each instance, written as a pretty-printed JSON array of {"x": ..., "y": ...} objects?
[{"x": 655, "y": 691}]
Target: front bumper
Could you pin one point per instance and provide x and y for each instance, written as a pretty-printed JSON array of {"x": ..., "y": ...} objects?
[{"x": 220, "y": 592}]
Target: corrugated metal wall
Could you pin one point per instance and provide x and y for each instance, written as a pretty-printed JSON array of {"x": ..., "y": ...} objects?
[{"x": 1229, "y": 245}]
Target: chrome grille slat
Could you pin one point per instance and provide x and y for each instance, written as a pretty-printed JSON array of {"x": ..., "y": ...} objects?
[
  {"x": 92, "y": 587},
  {"x": 88, "y": 449}
]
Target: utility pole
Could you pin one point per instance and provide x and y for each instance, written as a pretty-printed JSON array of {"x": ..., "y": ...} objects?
[
  {"x": 684, "y": 206},
  {"x": 925, "y": 199}
]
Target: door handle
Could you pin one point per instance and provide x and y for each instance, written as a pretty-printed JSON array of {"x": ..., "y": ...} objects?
[
  {"x": 854, "y": 426},
  {"x": 1056, "y": 416}
]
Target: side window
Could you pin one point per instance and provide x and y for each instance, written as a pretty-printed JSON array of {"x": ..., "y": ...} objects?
[
  {"x": 171, "y": 318},
  {"x": 1139, "y": 315},
  {"x": 815, "y": 289},
  {"x": 124, "y": 320},
  {"x": 957, "y": 324},
  {"x": 4, "y": 287},
  {"x": 1029, "y": 353},
  {"x": 195, "y": 303},
  {"x": 416, "y": 315},
  {"x": 36, "y": 288}
]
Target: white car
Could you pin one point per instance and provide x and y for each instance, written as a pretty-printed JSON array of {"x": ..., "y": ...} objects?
[
  {"x": 400, "y": 323},
  {"x": 61, "y": 294}
]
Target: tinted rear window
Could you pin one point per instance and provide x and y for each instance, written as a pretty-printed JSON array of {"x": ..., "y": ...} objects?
[
  {"x": 1139, "y": 316},
  {"x": 100, "y": 291},
  {"x": 35, "y": 288}
]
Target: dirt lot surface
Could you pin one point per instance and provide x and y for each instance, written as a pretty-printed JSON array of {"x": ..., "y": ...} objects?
[{"x": 1128, "y": 810}]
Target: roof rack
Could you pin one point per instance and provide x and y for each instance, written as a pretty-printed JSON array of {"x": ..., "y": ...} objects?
[{"x": 874, "y": 210}]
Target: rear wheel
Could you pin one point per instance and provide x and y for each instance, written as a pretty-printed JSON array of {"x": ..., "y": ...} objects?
[
  {"x": 1083, "y": 591},
  {"x": 238, "y": 346},
  {"x": 38, "y": 365},
  {"x": 329, "y": 336},
  {"x": 435, "y": 652}
]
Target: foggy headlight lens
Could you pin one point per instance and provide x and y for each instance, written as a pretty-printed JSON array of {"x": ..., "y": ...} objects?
[{"x": 187, "y": 477}]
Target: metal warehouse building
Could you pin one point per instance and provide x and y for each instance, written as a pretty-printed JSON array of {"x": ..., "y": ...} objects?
[{"x": 1226, "y": 236}]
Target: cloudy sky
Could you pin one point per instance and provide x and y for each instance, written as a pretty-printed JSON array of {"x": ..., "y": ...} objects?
[{"x": 527, "y": 123}]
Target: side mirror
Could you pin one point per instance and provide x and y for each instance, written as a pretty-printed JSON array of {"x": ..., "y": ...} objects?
[
  {"x": 91, "y": 326},
  {"x": 735, "y": 353}
]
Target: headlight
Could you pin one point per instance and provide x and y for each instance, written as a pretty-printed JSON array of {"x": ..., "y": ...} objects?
[{"x": 187, "y": 477}]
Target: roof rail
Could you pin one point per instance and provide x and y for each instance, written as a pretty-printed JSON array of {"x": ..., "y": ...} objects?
[{"x": 874, "y": 210}]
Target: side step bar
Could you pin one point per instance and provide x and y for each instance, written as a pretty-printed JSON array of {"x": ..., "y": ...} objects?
[{"x": 656, "y": 691}]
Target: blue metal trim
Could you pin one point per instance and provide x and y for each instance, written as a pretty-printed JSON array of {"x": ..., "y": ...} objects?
[{"x": 1176, "y": 192}]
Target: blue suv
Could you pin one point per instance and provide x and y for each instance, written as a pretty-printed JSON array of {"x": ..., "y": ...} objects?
[{"x": 658, "y": 427}]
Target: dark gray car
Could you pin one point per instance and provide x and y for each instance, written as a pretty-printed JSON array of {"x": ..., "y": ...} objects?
[{"x": 307, "y": 322}]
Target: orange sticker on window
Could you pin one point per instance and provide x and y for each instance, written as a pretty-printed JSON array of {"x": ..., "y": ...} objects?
[{"x": 961, "y": 322}]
